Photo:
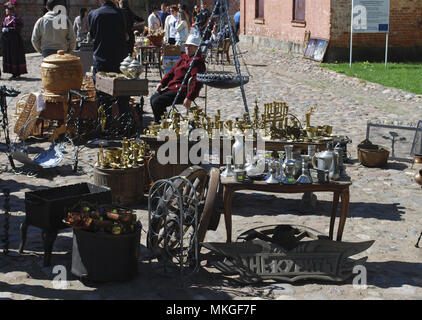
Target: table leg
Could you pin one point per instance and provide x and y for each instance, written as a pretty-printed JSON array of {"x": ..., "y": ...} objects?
[
  {"x": 345, "y": 198},
  {"x": 227, "y": 198},
  {"x": 23, "y": 232},
  {"x": 336, "y": 196}
]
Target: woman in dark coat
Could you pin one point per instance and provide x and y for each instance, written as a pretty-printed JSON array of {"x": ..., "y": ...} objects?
[{"x": 13, "y": 51}]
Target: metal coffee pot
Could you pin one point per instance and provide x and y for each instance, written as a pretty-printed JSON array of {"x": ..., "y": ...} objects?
[{"x": 327, "y": 161}]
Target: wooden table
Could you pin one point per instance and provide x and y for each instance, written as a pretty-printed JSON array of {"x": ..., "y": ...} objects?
[
  {"x": 339, "y": 189},
  {"x": 150, "y": 56}
]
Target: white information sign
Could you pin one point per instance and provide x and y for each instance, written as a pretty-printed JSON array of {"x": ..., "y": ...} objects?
[{"x": 371, "y": 16}]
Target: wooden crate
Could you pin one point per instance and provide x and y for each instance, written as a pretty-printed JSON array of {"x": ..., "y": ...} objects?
[
  {"x": 172, "y": 50},
  {"x": 121, "y": 87}
]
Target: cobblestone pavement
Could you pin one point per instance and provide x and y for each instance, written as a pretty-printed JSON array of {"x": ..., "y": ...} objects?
[{"x": 385, "y": 203}]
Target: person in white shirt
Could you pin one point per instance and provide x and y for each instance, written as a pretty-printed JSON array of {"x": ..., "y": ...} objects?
[
  {"x": 154, "y": 21},
  {"x": 182, "y": 30},
  {"x": 170, "y": 26}
]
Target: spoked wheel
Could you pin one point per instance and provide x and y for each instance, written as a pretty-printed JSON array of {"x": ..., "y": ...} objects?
[{"x": 174, "y": 215}]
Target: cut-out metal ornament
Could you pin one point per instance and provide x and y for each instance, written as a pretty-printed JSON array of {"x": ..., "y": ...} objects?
[{"x": 287, "y": 253}]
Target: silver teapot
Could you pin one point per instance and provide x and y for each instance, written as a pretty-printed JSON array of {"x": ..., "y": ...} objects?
[{"x": 327, "y": 160}]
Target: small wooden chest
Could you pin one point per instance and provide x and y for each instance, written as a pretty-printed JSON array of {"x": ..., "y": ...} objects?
[{"x": 121, "y": 87}]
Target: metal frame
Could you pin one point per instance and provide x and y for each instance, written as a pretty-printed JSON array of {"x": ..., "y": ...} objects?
[
  {"x": 226, "y": 15},
  {"x": 164, "y": 191}
]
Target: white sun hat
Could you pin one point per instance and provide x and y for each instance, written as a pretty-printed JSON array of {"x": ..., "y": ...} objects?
[{"x": 193, "y": 40}]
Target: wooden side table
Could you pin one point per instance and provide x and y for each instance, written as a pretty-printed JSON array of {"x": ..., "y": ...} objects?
[
  {"x": 340, "y": 190},
  {"x": 150, "y": 57}
]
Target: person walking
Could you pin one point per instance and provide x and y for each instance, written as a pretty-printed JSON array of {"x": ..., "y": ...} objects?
[
  {"x": 46, "y": 38},
  {"x": 81, "y": 26},
  {"x": 182, "y": 30},
  {"x": 170, "y": 26},
  {"x": 13, "y": 51},
  {"x": 130, "y": 19}
]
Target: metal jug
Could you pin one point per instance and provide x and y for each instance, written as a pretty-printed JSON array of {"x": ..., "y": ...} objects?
[
  {"x": 327, "y": 161},
  {"x": 295, "y": 159}
]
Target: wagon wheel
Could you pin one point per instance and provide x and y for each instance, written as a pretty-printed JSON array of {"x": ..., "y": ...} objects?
[
  {"x": 165, "y": 231},
  {"x": 209, "y": 206}
]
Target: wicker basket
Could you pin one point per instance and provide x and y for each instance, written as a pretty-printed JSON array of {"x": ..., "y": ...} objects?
[
  {"x": 373, "y": 158},
  {"x": 26, "y": 124},
  {"x": 156, "y": 40}
]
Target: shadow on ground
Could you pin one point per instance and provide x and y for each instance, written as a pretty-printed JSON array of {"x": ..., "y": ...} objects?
[{"x": 255, "y": 202}]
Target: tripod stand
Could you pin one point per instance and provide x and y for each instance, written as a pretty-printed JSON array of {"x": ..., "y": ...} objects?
[{"x": 223, "y": 7}]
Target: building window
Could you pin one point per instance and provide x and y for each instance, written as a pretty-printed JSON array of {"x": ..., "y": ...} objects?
[
  {"x": 299, "y": 10},
  {"x": 259, "y": 9}
]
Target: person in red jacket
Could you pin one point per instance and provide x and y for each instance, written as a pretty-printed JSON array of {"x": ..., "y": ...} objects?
[{"x": 168, "y": 87}]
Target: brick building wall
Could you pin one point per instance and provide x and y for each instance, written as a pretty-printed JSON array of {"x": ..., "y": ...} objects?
[
  {"x": 330, "y": 19},
  {"x": 278, "y": 16},
  {"x": 278, "y": 23}
]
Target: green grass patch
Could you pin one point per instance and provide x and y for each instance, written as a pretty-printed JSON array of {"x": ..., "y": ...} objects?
[{"x": 406, "y": 76}]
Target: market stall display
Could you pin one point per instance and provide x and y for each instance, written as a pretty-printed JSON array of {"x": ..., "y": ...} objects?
[
  {"x": 46, "y": 209},
  {"x": 123, "y": 170},
  {"x": 106, "y": 242}
]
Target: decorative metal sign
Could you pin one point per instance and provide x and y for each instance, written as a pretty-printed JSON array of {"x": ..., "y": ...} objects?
[{"x": 283, "y": 256}]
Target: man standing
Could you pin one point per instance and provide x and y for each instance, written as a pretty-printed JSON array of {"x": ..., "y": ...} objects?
[
  {"x": 236, "y": 25},
  {"x": 237, "y": 22},
  {"x": 49, "y": 34},
  {"x": 107, "y": 28},
  {"x": 163, "y": 13},
  {"x": 154, "y": 22},
  {"x": 130, "y": 19},
  {"x": 202, "y": 18}
]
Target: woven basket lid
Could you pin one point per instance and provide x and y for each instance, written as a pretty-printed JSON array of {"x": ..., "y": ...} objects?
[{"x": 61, "y": 57}]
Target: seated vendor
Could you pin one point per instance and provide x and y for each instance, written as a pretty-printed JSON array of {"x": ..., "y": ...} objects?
[{"x": 169, "y": 86}]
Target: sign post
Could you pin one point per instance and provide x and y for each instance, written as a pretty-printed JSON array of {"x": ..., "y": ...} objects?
[{"x": 370, "y": 16}]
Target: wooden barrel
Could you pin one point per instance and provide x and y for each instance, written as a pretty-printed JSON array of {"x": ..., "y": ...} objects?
[{"x": 127, "y": 185}]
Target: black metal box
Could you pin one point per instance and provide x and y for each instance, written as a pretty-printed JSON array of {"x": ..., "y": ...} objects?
[{"x": 47, "y": 208}]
